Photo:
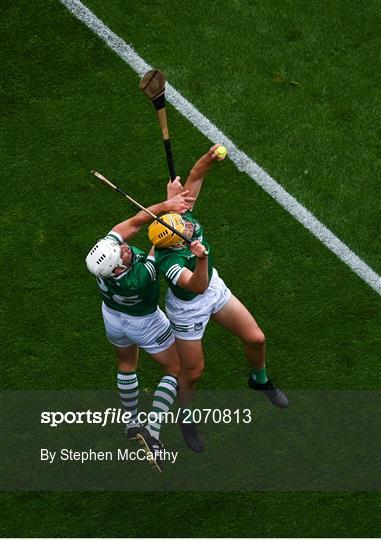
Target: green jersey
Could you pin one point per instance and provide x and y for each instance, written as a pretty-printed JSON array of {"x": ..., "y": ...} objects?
[
  {"x": 135, "y": 291},
  {"x": 172, "y": 261}
]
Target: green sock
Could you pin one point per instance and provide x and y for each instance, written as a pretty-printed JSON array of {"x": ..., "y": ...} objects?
[
  {"x": 128, "y": 388},
  {"x": 259, "y": 375},
  {"x": 163, "y": 398}
]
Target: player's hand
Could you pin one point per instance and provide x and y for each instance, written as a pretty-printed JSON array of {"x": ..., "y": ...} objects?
[
  {"x": 174, "y": 188},
  {"x": 198, "y": 249},
  {"x": 180, "y": 203},
  {"x": 212, "y": 150}
]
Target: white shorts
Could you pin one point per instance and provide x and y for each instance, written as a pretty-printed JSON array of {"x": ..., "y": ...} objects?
[
  {"x": 189, "y": 318},
  {"x": 150, "y": 332}
]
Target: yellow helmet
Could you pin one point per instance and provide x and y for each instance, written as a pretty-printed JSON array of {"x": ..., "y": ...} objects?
[{"x": 162, "y": 237}]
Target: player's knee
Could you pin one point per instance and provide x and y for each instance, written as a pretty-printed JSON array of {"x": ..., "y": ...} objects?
[
  {"x": 256, "y": 339},
  {"x": 191, "y": 376},
  {"x": 169, "y": 360},
  {"x": 260, "y": 338}
]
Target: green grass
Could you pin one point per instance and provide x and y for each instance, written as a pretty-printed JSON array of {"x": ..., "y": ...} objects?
[
  {"x": 70, "y": 105},
  {"x": 195, "y": 514},
  {"x": 320, "y": 138}
]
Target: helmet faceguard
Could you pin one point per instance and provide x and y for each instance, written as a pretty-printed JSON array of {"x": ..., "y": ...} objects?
[
  {"x": 104, "y": 257},
  {"x": 162, "y": 237}
]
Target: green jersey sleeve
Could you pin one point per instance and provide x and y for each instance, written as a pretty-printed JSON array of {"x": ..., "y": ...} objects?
[
  {"x": 172, "y": 261},
  {"x": 172, "y": 267},
  {"x": 146, "y": 272}
]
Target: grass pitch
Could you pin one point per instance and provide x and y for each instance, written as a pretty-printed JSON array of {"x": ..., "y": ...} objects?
[{"x": 70, "y": 105}]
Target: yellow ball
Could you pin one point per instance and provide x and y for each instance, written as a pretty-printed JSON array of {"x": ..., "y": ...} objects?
[{"x": 220, "y": 153}]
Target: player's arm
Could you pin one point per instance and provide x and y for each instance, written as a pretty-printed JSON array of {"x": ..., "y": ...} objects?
[
  {"x": 200, "y": 168},
  {"x": 197, "y": 281},
  {"x": 174, "y": 188},
  {"x": 179, "y": 203},
  {"x": 148, "y": 273}
]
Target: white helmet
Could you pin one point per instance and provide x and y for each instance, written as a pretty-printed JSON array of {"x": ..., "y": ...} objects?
[{"x": 103, "y": 258}]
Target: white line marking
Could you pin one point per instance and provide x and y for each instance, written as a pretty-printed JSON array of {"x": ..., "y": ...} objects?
[{"x": 242, "y": 161}]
